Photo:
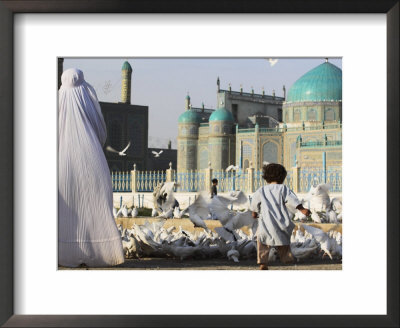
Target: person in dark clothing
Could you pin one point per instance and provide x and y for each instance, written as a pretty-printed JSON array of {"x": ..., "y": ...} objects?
[{"x": 214, "y": 187}]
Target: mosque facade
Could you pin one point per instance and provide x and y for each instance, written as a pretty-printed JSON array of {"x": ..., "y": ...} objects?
[{"x": 303, "y": 128}]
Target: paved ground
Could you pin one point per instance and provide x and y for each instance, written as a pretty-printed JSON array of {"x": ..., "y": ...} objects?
[{"x": 215, "y": 264}]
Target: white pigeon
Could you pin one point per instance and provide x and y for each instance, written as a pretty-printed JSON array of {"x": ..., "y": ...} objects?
[
  {"x": 272, "y": 61},
  {"x": 197, "y": 220},
  {"x": 130, "y": 247},
  {"x": 336, "y": 204},
  {"x": 199, "y": 210},
  {"x": 167, "y": 214},
  {"x": 331, "y": 216},
  {"x": 225, "y": 234},
  {"x": 298, "y": 215},
  {"x": 315, "y": 216},
  {"x": 328, "y": 245},
  {"x": 178, "y": 213},
  {"x": 135, "y": 212},
  {"x": 119, "y": 213},
  {"x": 232, "y": 168},
  {"x": 248, "y": 249},
  {"x": 163, "y": 196},
  {"x": 228, "y": 218},
  {"x": 221, "y": 211},
  {"x": 157, "y": 154},
  {"x": 180, "y": 251},
  {"x": 318, "y": 197},
  {"x": 154, "y": 212},
  {"x": 237, "y": 198},
  {"x": 124, "y": 211},
  {"x": 120, "y": 153},
  {"x": 241, "y": 219},
  {"x": 302, "y": 252},
  {"x": 233, "y": 255}
]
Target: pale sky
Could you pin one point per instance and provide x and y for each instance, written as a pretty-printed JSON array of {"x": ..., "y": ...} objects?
[{"x": 162, "y": 84}]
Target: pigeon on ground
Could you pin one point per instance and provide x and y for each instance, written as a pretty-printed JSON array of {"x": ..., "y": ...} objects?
[
  {"x": 124, "y": 211},
  {"x": 135, "y": 212},
  {"x": 328, "y": 245},
  {"x": 178, "y": 213},
  {"x": 233, "y": 255}
]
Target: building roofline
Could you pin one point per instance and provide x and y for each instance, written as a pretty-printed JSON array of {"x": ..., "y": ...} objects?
[{"x": 253, "y": 95}]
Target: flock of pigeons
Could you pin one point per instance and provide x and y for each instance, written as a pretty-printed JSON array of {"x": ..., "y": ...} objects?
[
  {"x": 153, "y": 240},
  {"x": 323, "y": 209},
  {"x": 123, "y": 151}
]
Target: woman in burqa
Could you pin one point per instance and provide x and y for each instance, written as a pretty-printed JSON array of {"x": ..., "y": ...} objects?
[{"x": 87, "y": 233}]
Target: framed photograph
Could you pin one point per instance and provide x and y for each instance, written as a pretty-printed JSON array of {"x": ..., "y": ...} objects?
[{"x": 35, "y": 292}]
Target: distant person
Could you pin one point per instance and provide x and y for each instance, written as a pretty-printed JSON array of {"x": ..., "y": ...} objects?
[
  {"x": 214, "y": 187},
  {"x": 87, "y": 233},
  {"x": 274, "y": 221}
]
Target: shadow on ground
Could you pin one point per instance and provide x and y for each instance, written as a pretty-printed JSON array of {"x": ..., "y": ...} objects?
[{"x": 215, "y": 264}]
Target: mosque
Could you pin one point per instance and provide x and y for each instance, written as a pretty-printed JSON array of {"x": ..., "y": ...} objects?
[{"x": 302, "y": 128}]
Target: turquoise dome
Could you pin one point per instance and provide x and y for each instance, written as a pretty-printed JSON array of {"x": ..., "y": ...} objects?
[
  {"x": 322, "y": 83},
  {"x": 127, "y": 67},
  {"x": 189, "y": 116},
  {"x": 221, "y": 114}
]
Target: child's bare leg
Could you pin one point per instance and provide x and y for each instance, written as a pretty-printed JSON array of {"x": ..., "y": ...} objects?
[
  {"x": 285, "y": 254},
  {"x": 262, "y": 255}
]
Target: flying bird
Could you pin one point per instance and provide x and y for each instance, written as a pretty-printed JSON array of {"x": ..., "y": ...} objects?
[
  {"x": 318, "y": 197},
  {"x": 232, "y": 168},
  {"x": 157, "y": 154},
  {"x": 120, "y": 153},
  {"x": 272, "y": 61}
]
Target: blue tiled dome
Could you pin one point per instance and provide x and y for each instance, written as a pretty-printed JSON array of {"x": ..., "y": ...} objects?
[
  {"x": 322, "y": 83},
  {"x": 127, "y": 67},
  {"x": 189, "y": 116},
  {"x": 221, "y": 114}
]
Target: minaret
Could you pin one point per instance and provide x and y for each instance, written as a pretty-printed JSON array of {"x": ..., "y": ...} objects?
[
  {"x": 126, "y": 83},
  {"x": 187, "y": 102}
]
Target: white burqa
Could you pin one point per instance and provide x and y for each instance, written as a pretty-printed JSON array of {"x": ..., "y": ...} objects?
[{"x": 87, "y": 232}]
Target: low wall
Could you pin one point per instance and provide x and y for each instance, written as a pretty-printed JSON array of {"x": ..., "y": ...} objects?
[
  {"x": 184, "y": 199},
  {"x": 186, "y": 224}
]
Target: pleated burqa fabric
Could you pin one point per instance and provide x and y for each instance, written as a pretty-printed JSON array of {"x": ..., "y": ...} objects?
[{"x": 87, "y": 232}]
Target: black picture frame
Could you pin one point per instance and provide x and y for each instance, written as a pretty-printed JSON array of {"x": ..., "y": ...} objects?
[{"x": 7, "y": 10}]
